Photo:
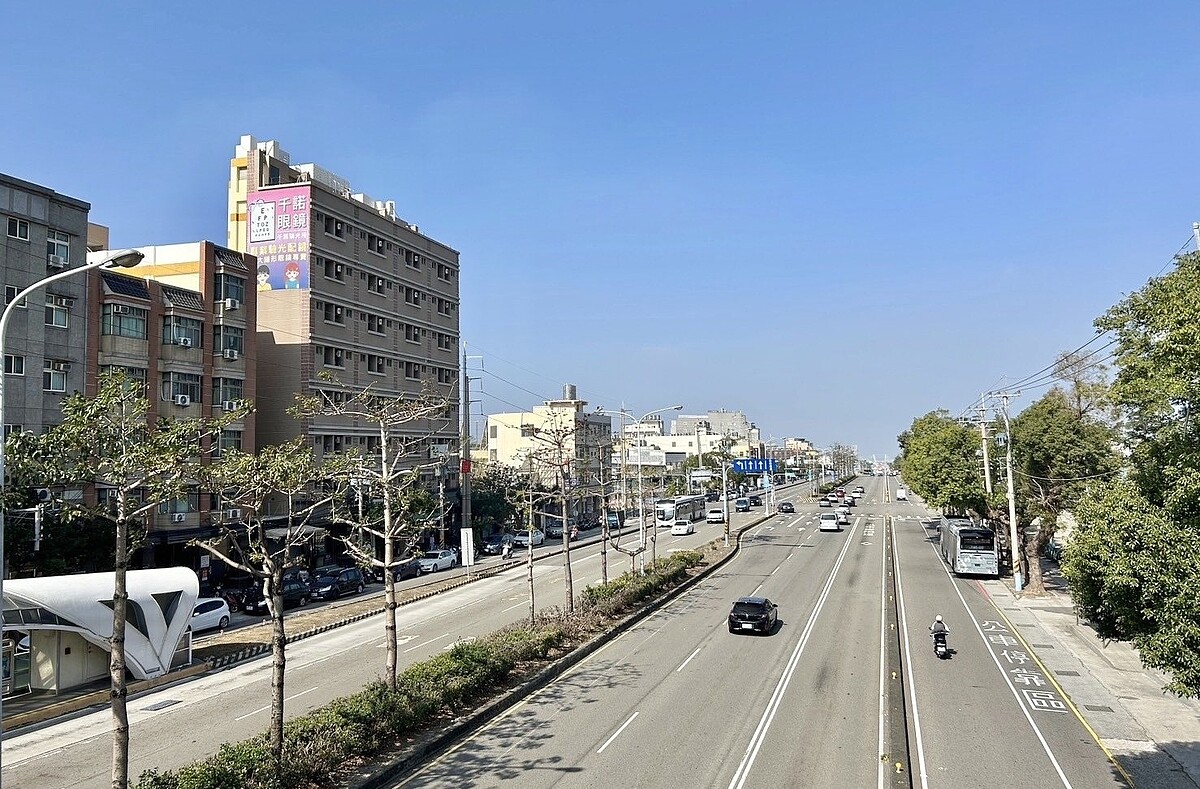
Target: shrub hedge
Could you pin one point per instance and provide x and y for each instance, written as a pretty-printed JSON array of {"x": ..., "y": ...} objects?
[{"x": 319, "y": 744}]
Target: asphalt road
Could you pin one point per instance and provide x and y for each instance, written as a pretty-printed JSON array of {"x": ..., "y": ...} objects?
[
  {"x": 181, "y": 723},
  {"x": 679, "y": 701}
]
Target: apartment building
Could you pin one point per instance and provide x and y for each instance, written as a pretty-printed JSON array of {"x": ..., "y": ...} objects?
[
  {"x": 45, "y": 232},
  {"x": 721, "y": 422},
  {"x": 181, "y": 322},
  {"x": 557, "y": 437},
  {"x": 348, "y": 288}
]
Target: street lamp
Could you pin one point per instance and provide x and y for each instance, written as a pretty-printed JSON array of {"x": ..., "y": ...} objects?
[
  {"x": 126, "y": 259},
  {"x": 641, "y": 494}
]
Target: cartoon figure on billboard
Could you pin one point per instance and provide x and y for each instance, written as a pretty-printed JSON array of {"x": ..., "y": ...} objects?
[
  {"x": 291, "y": 275},
  {"x": 264, "y": 277}
]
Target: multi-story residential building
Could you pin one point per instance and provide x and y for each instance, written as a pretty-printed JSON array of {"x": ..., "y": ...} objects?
[
  {"x": 182, "y": 323},
  {"x": 45, "y": 232},
  {"x": 344, "y": 287},
  {"x": 555, "y": 438},
  {"x": 721, "y": 422}
]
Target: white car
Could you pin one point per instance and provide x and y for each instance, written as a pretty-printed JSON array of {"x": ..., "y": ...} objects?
[
  {"x": 433, "y": 561},
  {"x": 523, "y": 538},
  {"x": 901, "y": 494},
  {"x": 715, "y": 516},
  {"x": 683, "y": 527},
  {"x": 843, "y": 509},
  {"x": 210, "y": 612},
  {"x": 829, "y": 522}
]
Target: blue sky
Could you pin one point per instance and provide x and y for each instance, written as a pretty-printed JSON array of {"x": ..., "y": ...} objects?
[{"x": 834, "y": 217}]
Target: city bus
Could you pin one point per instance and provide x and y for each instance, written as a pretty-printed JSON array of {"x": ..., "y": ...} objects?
[
  {"x": 667, "y": 511},
  {"x": 969, "y": 549}
]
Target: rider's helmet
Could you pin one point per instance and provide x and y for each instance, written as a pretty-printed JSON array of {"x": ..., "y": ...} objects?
[{"x": 938, "y": 618}]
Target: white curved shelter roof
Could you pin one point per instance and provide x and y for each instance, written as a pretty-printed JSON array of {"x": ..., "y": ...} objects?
[{"x": 159, "y": 611}]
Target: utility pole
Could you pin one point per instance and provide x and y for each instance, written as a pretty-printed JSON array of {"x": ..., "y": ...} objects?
[
  {"x": 987, "y": 463},
  {"x": 1018, "y": 581},
  {"x": 464, "y": 442}
]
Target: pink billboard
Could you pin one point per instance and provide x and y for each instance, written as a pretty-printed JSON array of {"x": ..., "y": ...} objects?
[{"x": 277, "y": 227}]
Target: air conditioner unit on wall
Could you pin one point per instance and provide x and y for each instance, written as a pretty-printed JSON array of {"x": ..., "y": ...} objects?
[
  {"x": 119, "y": 309},
  {"x": 230, "y": 353},
  {"x": 182, "y": 400},
  {"x": 55, "y": 261},
  {"x": 178, "y": 517},
  {"x": 184, "y": 342},
  {"x": 230, "y": 405},
  {"x": 232, "y": 304},
  {"x": 60, "y": 367},
  {"x": 233, "y": 515}
]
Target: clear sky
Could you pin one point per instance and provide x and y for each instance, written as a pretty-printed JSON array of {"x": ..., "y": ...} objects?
[{"x": 832, "y": 216}]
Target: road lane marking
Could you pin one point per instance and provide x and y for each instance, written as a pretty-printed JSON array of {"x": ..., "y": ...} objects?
[
  {"x": 764, "y": 724},
  {"x": 883, "y": 778},
  {"x": 264, "y": 709},
  {"x": 615, "y": 733},
  {"x": 689, "y": 660},
  {"x": 511, "y": 607},
  {"x": 430, "y": 641}
]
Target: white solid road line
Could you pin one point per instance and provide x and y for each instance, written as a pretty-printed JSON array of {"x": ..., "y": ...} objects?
[
  {"x": 883, "y": 777},
  {"x": 264, "y": 709},
  {"x": 764, "y": 724},
  {"x": 912, "y": 684},
  {"x": 615, "y": 733},
  {"x": 430, "y": 641},
  {"x": 689, "y": 660}
]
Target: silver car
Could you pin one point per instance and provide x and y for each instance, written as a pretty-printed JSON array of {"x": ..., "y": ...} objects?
[
  {"x": 433, "y": 561},
  {"x": 523, "y": 538}
]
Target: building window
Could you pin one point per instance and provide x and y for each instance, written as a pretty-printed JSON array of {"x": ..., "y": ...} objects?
[
  {"x": 230, "y": 439},
  {"x": 56, "y": 311},
  {"x": 10, "y": 429},
  {"x": 375, "y": 284},
  {"x": 228, "y": 286},
  {"x": 178, "y": 330},
  {"x": 412, "y": 259},
  {"x": 446, "y": 342},
  {"x": 335, "y": 313},
  {"x": 58, "y": 247},
  {"x": 229, "y": 338},
  {"x": 444, "y": 272},
  {"x": 175, "y": 384},
  {"x": 335, "y": 227},
  {"x": 493, "y": 432},
  {"x": 412, "y": 333},
  {"x": 137, "y": 374},
  {"x": 445, "y": 307},
  {"x": 412, "y": 371},
  {"x": 122, "y": 320},
  {"x": 330, "y": 444},
  {"x": 375, "y": 364},
  {"x": 14, "y": 365},
  {"x": 446, "y": 375},
  {"x": 334, "y": 357},
  {"x": 412, "y": 296},
  {"x": 225, "y": 389},
  {"x": 376, "y": 244},
  {"x": 335, "y": 270},
  {"x": 54, "y": 375},
  {"x": 376, "y": 324},
  {"x": 10, "y": 293},
  {"x": 18, "y": 228}
]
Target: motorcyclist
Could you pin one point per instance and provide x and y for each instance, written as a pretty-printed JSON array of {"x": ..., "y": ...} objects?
[
  {"x": 939, "y": 626},
  {"x": 508, "y": 548}
]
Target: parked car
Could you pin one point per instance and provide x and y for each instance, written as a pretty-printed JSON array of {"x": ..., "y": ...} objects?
[
  {"x": 209, "y": 613},
  {"x": 787, "y": 506},
  {"x": 683, "y": 527},
  {"x": 494, "y": 544},
  {"x": 741, "y": 505},
  {"x": 715, "y": 516},
  {"x": 524, "y": 538},
  {"x": 616, "y": 519},
  {"x": 554, "y": 528},
  {"x": 829, "y": 522},
  {"x": 753, "y": 614},
  {"x": 332, "y": 582},
  {"x": 756, "y": 501},
  {"x": 407, "y": 568},
  {"x": 294, "y": 592},
  {"x": 433, "y": 561}
]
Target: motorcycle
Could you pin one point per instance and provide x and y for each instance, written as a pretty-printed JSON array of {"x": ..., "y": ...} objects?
[{"x": 940, "y": 647}]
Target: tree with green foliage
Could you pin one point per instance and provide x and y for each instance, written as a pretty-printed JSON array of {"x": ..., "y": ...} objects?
[
  {"x": 1058, "y": 451},
  {"x": 493, "y": 496},
  {"x": 939, "y": 462},
  {"x": 111, "y": 444}
]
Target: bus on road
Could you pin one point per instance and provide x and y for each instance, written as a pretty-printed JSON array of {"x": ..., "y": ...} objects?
[
  {"x": 667, "y": 511},
  {"x": 969, "y": 549}
]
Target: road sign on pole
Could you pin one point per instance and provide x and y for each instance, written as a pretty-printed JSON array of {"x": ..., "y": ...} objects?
[{"x": 755, "y": 465}]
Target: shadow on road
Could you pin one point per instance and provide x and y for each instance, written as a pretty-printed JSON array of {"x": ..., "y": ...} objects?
[{"x": 1162, "y": 767}]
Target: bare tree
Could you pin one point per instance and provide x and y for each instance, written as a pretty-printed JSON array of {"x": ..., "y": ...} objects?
[
  {"x": 251, "y": 482},
  {"x": 403, "y": 425},
  {"x": 112, "y": 443}
]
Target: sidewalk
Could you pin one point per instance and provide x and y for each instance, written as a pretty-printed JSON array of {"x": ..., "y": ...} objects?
[{"x": 1154, "y": 735}]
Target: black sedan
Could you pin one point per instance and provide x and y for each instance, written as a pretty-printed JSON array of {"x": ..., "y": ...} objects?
[
  {"x": 787, "y": 506},
  {"x": 753, "y": 615},
  {"x": 494, "y": 544},
  {"x": 407, "y": 568}
]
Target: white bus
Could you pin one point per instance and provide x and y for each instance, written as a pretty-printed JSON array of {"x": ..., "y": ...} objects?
[
  {"x": 690, "y": 508},
  {"x": 969, "y": 549}
]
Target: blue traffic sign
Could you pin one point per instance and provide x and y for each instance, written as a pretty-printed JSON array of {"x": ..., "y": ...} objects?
[{"x": 755, "y": 466}]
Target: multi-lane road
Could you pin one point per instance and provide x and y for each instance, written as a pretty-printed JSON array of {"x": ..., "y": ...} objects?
[{"x": 678, "y": 700}]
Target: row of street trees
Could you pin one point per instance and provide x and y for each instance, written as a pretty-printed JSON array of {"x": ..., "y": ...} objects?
[
  {"x": 136, "y": 465},
  {"x": 1123, "y": 456}
]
